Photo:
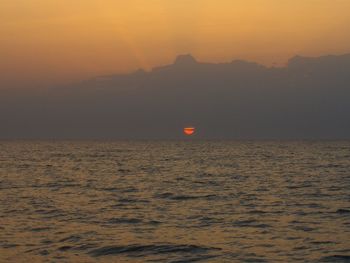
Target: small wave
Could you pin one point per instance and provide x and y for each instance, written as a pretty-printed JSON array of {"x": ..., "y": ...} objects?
[
  {"x": 40, "y": 229},
  {"x": 254, "y": 260},
  {"x": 44, "y": 252},
  {"x": 85, "y": 246},
  {"x": 299, "y": 186},
  {"x": 129, "y": 190},
  {"x": 130, "y": 200},
  {"x": 194, "y": 259},
  {"x": 301, "y": 248},
  {"x": 336, "y": 258},
  {"x": 257, "y": 212},
  {"x": 64, "y": 248},
  {"x": 143, "y": 250},
  {"x": 9, "y": 245},
  {"x": 186, "y": 197},
  {"x": 249, "y": 223},
  {"x": 304, "y": 228},
  {"x": 171, "y": 196},
  {"x": 47, "y": 211},
  {"x": 322, "y": 242},
  {"x": 165, "y": 195},
  {"x": 334, "y": 189},
  {"x": 343, "y": 211},
  {"x": 72, "y": 238},
  {"x": 124, "y": 170},
  {"x": 111, "y": 189},
  {"x": 124, "y": 221}
]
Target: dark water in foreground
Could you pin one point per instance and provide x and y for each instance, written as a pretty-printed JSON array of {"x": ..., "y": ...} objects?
[{"x": 175, "y": 202}]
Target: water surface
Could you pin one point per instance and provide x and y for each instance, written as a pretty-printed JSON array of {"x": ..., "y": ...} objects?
[{"x": 175, "y": 201}]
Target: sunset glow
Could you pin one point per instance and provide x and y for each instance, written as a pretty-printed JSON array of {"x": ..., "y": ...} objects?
[{"x": 61, "y": 40}]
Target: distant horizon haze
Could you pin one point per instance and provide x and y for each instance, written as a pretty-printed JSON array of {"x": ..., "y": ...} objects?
[{"x": 307, "y": 99}]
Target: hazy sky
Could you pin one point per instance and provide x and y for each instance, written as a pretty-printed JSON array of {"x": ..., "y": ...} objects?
[{"x": 54, "y": 41}]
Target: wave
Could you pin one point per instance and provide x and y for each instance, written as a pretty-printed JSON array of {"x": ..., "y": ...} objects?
[
  {"x": 250, "y": 223},
  {"x": 336, "y": 258},
  {"x": 174, "y": 197},
  {"x": 343, "y": 211},
  {"x": 144, "y": 250}
]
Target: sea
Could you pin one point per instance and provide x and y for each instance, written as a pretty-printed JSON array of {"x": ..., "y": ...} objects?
[{"x": 174, "y": 201}]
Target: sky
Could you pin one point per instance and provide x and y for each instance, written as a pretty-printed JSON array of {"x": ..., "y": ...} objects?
[{"x": 58, "y": 41}]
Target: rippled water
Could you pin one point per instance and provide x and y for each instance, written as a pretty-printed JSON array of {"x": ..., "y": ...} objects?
[{"x": 175, "y": 201}]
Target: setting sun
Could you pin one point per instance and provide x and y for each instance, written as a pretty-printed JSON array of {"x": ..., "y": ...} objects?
[{"x": 189, "y": 130}]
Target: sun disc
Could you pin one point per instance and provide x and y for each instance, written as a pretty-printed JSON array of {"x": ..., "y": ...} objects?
[{"x": 189, "y": 130}]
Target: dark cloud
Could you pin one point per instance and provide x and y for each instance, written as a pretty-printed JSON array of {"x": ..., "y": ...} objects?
[{"x": 307, "y": 99}]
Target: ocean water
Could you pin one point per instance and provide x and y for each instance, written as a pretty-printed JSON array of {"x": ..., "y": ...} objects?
[{"x": 185, "y": 201}]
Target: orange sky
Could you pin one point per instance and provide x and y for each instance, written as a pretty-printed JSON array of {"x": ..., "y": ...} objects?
[{"x": 51, "y": 41}]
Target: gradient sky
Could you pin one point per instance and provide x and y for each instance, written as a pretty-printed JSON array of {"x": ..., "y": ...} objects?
[{"x": 55, "y": 41}]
